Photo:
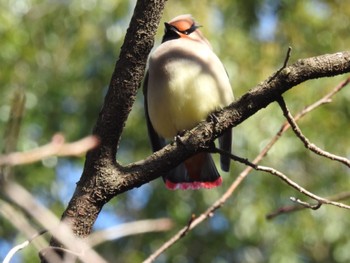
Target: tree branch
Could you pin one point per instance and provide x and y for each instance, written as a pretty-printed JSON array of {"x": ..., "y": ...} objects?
[
  {"x": 286, "y": 179},
  {"x": 128, "y": 229},
  {"x": 48, "y": 220},
  {"x": 312, "y": 147},
  {"x": 56, "y": 147},
  {"x": 294, "y": 208},
  {"x": 101, "y": 169}
]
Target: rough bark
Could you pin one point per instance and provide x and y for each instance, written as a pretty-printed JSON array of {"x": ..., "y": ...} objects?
[{"x": 101, "y": 169}]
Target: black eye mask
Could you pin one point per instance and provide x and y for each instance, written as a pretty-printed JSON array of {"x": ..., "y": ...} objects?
[
  {"x": 190, "y": 30},
  {"x": 172, "y": 32}
]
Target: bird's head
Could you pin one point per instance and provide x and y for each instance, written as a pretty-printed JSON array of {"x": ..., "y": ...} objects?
[{"x": 183, "y": 27}]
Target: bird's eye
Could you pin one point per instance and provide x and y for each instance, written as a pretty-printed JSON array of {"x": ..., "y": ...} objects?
[{"x": 190, "y": 30}]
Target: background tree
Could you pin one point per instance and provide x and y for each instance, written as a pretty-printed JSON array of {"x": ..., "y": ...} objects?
[{"x": 62, "y": 55}]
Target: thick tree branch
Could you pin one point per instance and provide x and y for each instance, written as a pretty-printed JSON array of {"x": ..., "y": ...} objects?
[{"x": 101, "y": 170}]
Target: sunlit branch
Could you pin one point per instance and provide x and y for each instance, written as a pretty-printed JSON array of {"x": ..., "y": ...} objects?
[
  {"x": 57, "y": 147},
  {"x": 171, "y": 241},
  {"x": 60, "y": 230},
  {"x": 285, "y": 63},
  {"x": 300, "y": 188},
  {"x": 305, "y": 140},
  {"x": 128, "y": 229},
  {"x": 295, "y": 208},
  {"x": 22, "y": 224},
  {"x": 306, "y": 204},
  {"x": 284, "y": 178},
  {"x": 98, "y": 237}
]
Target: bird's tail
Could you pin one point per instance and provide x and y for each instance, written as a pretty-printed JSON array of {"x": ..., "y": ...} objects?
[{"x": 196, "y": 172}]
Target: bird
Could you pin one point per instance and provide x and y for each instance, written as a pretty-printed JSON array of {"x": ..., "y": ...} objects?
[{"x": 185, "y": 83}]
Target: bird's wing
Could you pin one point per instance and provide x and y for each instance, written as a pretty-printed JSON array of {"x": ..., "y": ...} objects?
[
  {"x": 157, "y": 141},
  {"x": 225, "y": 142}
]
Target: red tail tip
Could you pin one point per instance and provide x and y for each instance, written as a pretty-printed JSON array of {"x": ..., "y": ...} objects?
[{"x": 193, "y": 185}]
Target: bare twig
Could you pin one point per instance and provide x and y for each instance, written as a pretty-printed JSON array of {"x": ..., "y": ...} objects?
[
  {"x": 62, "y": 232},
  {"x": 285, "y": 63},
  {"x": 295, "y": 208},
  {"x": 305, "y": 140},
  {"x": 209, "y": 212},
  {"x": 19, "y": 247},
  {"x": 287, "y": 57},
  {"x": 18, "y": 220},
  {"x": 94, "y": 239},
  {"x": 285, "y": 179},
  {"x": 193, "y": 217},
  {"x": 299, "y": 188},
  {"x": 183, "y": 232},
  {"x": 306, "y": 204},
  {"x": 56, "y": 147},
  {"x": 325, "y": 99},
  {"x": 69, "y": 256},
  {"x": 14, "y": 250},
  {"x": 14, "y": 123},
  {"x": 12, "y": 129},
  {"x": 128, "y": 229},
  {"x": 284, "y": 210}
]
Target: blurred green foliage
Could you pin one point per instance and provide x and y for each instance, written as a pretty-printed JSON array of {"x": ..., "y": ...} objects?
[{"x": 62, "y": 54}]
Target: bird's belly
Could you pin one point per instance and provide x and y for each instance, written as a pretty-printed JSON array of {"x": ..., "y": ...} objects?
[{"x": 185, "y": 97}]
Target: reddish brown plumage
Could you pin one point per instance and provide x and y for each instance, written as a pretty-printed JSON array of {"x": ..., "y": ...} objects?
[{"x": 182, "y": 24}]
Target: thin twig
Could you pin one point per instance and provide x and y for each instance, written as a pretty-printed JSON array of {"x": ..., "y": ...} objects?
[
  {"x": 285, "y": 63},
  {"x": 284, "y": 210},
  {"x": 19, "y": 247},
  {"x": 295, "y": 208},
  {"x": 284, "y": 178},
  {"x": 305, "y": 140},
  {"x": 70, "y": 256},
  {"x": 14, "y": 250},
  {"x": 183, "y": 232},
  {"x": 128, "y": 229},
  {"x": 98, "y": 237},
  {"x": 299, "y": 188},
  {"x": 23, "y": 225},
  {"x": 56, "y": 147},
  {"x": 325, "y": 99},
  {"x": 193, "y": 217},
  {"x": 240, "y": 178},
  {"x": 47, "y": 219},
  {"x": 287, "y": 57},
  {"x": 306, "y": 204},
  {"x": 12, "y": 128}
]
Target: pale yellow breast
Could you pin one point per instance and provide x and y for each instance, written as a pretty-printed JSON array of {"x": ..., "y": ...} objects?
[{"x": 183, "y": 89}]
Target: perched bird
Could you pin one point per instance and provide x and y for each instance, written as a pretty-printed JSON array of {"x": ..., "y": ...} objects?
[{"x": 186, "y": 82}]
